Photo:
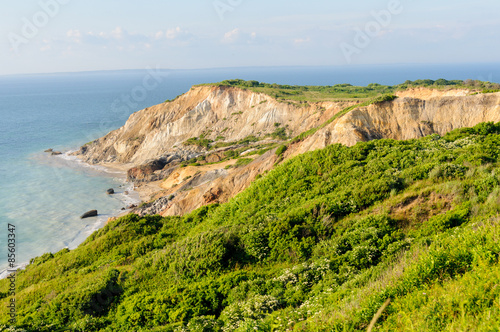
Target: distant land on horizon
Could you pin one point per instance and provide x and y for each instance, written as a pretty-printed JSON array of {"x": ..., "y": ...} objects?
[{"x": 480, "y": 71}]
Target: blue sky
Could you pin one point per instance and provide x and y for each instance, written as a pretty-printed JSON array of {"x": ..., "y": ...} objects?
[{"x": 76, "y": 35}]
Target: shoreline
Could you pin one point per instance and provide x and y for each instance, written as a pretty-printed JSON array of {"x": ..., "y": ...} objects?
[
  {"x": 144, "y": 191},
  {"x": 118, "y": 172},
  {"x": 133, "y": 196}
]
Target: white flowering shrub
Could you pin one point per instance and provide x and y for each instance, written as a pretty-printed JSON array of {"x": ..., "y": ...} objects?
[
  {"x": 248, "y": 313},
  {"x": 256, "y": 242},
  {"x": 305, "y": 273},
  {"x": 4, "y": 328}
]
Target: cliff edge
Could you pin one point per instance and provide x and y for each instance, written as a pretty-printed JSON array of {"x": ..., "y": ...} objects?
[{"x": 212, "y": 142}]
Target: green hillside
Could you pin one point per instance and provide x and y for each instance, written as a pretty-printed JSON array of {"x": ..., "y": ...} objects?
[{"x": 320, "y": 243}]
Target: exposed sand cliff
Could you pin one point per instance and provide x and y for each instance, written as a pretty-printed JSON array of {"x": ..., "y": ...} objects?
[
  {"x": 151, "y": 143},
  {"x": 408, "y": 117},
  {"x": 231, "y": 113}
]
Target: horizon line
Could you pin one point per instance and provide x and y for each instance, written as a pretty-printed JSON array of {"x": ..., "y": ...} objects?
[{"x": 249, "y": 67}]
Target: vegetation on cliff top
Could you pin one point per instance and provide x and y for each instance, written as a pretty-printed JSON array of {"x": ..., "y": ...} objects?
[
  {"x": 340, "y": 92},
  {"x": 317, "y": 244}
]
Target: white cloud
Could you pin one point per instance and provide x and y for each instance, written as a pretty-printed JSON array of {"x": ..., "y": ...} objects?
[
  {"x": 74, "y": 35},
  {"x": 120, "y": 39},
  {"x": 117, "y": 33},
  {"x": 159, "y": 35},
  {"x": 173, "y": 33},
  {"x": 231, "y": 36},
  {"x": 300, "y": 41},
  {"x": 237, "y": 36}
]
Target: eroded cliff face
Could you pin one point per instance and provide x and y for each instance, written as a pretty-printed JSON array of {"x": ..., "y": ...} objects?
[
  {"x": 229, "y": 114},
  {"x": 429, "y": 112},
  {"x": 152, "y": 140}
]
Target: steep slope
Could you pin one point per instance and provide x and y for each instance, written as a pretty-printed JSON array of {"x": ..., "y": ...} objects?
[
  {"x": 230, "y": 114},
  {"x": 212, "y": 129},
  {"x": 154, "y": 141},
  {"x": 320, "y": 243}
]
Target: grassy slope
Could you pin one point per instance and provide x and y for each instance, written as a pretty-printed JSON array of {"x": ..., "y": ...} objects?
[{"x": 318, "y": 244}]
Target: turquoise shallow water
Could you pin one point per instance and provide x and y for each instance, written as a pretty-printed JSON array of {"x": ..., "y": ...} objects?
[{"x": 43, "y": 196}]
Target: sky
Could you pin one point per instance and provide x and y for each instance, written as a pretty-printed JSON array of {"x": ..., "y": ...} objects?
[{"x": 44, "y": 36}]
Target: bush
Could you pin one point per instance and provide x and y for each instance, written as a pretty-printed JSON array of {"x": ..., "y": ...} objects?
[
  {"x": 450, "y": 219},
  {"x": 281, "y": 149},
  {"x": 279, "y": 133},
  {"x": 202, "y": 142},
  {"x": 248, "y": 312},
  {"x": 384, "y": 98},
  {"x": 447, "y": 171}
]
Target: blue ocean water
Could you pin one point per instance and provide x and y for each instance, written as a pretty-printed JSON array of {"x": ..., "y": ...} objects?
[{"x": 43, "y": 195}]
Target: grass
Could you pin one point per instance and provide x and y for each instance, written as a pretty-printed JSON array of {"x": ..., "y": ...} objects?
[
  {"x": 198, "y": 141},
  {"x": 240, "y": 162},
  {"x": 319, "y": 243},
  {"x": 309, "y": 93},
  {"x": 341, "y": 92},
  {"x": 234, "y": 153}
]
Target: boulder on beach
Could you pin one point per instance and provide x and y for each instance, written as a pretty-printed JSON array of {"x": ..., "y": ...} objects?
[
  {"x": 110, "y": 191},
  {"x": 143, "y": 171},
  {"x": 56, "y": 153},
  {"x": 48, "y": 150},
  {"x": 132, "y": 206},
  {"x": 126, "y": 192},
  {"x": 88, "y": 214}
]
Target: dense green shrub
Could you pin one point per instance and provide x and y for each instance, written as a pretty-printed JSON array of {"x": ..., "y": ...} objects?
[
  {"x": 280, "y": 150},
  {"x": 450, "y": 219},
  {"x": 243, "y": 162}
]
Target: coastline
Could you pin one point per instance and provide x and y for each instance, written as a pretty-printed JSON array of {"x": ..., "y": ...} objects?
[
  {"x": 133, "y": 197},
  {"x": 143, "y": 191},
  {"x": 116, "y": 172}
]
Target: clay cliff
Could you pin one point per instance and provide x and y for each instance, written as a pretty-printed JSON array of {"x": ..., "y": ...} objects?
[
  {"x": 416, "y": 113},
  {"x": 230, "y": 114},
  {"x": 212, "y": 142}
]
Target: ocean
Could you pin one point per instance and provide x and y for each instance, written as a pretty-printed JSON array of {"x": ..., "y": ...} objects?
[{"x": 43, "y": 196}]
